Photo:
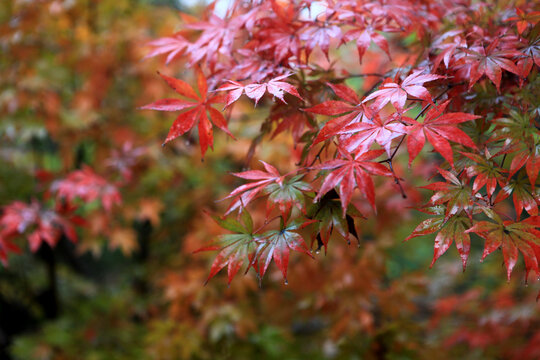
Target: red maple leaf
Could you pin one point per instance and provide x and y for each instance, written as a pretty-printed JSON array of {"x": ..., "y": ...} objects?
[
  {"x": 216, "y": 39},
  {"x": 350, "y": 172},
  {"x": 453, "y": 193},
  {"x": 174, "y": 45},
  {"x": 448, "y": 50},
  {"x": 450, "y": 230},
  {"x": 523, "y": 19},
  {"x": 244, "y": 194},
  {"x": 396, "y": 94},
  {"x": 531, "y": 160},
  {"x": 522, "y": 195},
  {"x": 490, "y": 61},
  {"x": 366, "y": 33},
  {"x": 487, "y": 173},
  {"x": 256, "y": 91},
  {"x": 512, "y": 237},
  {"x": 280, "y": 36},
  {"x": 317, "y": 35},
  {"x": 361, "y": 135},
  {"x": 350, "y": 111},
  {"x": 200, "y": 110},
  {"x": 438, "y": 128},
  {"x": 277, "y": 244}
]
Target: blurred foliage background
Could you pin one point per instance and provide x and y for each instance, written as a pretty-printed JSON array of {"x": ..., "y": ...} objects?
[{"x": 130, "y": 288}]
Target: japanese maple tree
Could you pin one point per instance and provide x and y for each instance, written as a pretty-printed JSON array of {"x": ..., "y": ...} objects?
[{"x": 464, "y": 89}]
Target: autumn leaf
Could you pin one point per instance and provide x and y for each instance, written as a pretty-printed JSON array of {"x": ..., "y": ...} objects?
[
  {"x": 285, "y": 195},
  {"x": 531, "y": 160},
  {"x": 361, "y": 135},
  {"x": 490, "y": 61},
  {"x": 173, "y": 45},
  {"x": 350, "y": 111},
  {"x": 234, "y": 249},
  {"x": 486, "y": 172},
  {"x": 350, "y": 172},
  {"x": 200, "y": 111},
  {"x": 365, "y": 34},
  {"x": 255, "y": 92},
  {"x": 396, "y": 94},
  {"x": 124, "y": 239},
  {"x": 450, "y": 230},
  {"x": 328, "y": 213},
  {"x": 522, "y": 195},
  {"x": 438, "y": 128},
  {"x": 453, "y": 193},
  {"x": 39, "y": 223},
  {"x": 277, "y": 244},
  {"x": 244, "y": 194},
  {"x": 523, "y": 19},
  {"x": 512, "y": 237}
]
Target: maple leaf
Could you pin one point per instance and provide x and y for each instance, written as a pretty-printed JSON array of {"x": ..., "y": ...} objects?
[
  {"x": 523, "y": 19},
  {"x": 523, "y": 196},
  {"x": 124, "y": 239},
  {"x": 512, "y": 236},
  {"x": 317, "y": 35},
  {"x": 453, "y": 193},
  {"x": 401, "y": 12},
  {"x": 487, "y": 172},
  {"x": 234, "y": 248},
  {"x": 276, "y": 245},
  {"x": 366, "y": 34},
  {"x": 450, "y": 230},
  {"x": 256, "y": 91},
  {"x": 174, "y": 45},
  {"x": 490, "y": 61},
  {"x": 531, "y": 160},
  {"x": 448, "y": 49},
  {"x": 391, "y": 92},
  {"x": 295, "y": 122},
  {"x": 438, "y": 128},
  {"x": 518, "y": 127},
  {"x": 350, "y": 172},
  {"x": 86, "y": 185},
  {"x": 281, "y": 36},
  {"x": 216, "y": 39},
  {"x": 361, "y": 135},
  {"x": 200, "y": 110},
  {"x": 351, "y": 113},
  {"x": 285, "y": 194},
  {"x": 252, "y": 65},
  {"x": 532, "y": 53}
]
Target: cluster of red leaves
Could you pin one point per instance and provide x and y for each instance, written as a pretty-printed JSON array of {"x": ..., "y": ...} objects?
[
  {"x": 87, "y": 186},
  {"x": 43, "y": 221},
  {"x": 470, "y": 57},
  {"x": 40, "y": 225}
]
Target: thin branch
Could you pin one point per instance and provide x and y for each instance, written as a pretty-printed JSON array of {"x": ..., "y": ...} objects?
[{"x": 318, "y": 156}]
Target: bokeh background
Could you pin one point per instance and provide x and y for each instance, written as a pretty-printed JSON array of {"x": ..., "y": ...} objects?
[{"x": 72, "y": 74}]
